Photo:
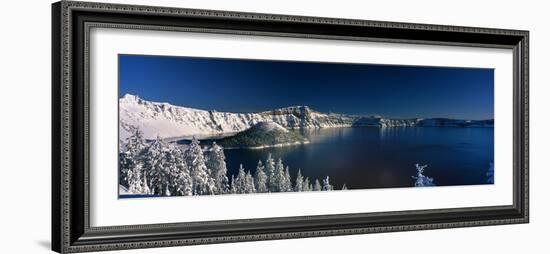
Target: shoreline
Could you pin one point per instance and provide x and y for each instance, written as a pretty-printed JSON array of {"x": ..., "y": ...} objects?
[
  {"x": 214, "y": 135},
  {"x": 229, "y": 134},
  {"x": 303, "y": 142}
]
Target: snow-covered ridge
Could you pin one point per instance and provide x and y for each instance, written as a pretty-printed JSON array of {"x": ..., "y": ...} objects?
[{"x": 166, "y": 120}]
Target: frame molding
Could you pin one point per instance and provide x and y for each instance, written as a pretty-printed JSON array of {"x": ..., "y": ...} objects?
[{"x": 71, "y": 22}]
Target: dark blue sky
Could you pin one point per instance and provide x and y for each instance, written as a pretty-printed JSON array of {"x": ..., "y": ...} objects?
[{"x": 237, "y": 85}]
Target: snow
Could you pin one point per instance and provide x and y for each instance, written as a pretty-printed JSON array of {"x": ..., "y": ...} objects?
[
  {"x": 123, "y": 190},
  {"x": 420, "y": 179},
  {"x": 170, "y": 121},
  {"x": 165, "y": 120}
]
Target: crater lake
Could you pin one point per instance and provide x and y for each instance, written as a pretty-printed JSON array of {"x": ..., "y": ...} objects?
[{"x": 372, "y": 157}]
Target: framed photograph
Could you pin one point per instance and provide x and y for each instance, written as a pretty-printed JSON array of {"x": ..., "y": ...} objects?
[{"x": 181, "y": 126}]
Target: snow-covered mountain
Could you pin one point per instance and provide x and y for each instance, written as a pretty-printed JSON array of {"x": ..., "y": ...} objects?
[{"x": 166, "y": 120}]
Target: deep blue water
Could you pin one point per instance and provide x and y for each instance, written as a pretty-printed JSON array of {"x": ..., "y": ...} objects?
[{"x": 382, "y": 157}]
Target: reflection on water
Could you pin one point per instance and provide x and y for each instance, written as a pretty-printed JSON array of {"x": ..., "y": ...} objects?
[{"x": 369, "y": 157}]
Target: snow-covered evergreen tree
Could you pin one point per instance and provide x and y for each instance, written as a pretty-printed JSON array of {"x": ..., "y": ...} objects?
[
  {"x": 203, "y": 183},
  {"x": 165, "y": 169},
  {"x": 181, "y": 178},
  {"x": 299, "y": 186},
  {"x": 172, "y": 167},
  {"x": 326, "y": 185},
  {"x": 279, "y": 177},
  {"x": 135, "y": 144},
  {"x": 124, "y": 165},
  {"x": 157, "y": 166},
  {"x": 261, "y": 179},
  {"x": 233, "y": 188},
  {"x": 421, "y": 179},
  {"x": 145, "y": 187},
  {"x": 344, "y": 187},
  {"x": 215, "y": 161},
  {"x": 271, "y": 174},
  {"x": 249, "y": 183},
  {"x": 239, "y": 183},
  {"x": 306, "y": 185},
  {"x": 134, "y": 179},
  {"x": 286, "y": 181},
  {"x": 317, "y": 185},
  {"x": 185, "y": 184},
  {"x": 491, "y": 174},
  {"x": 131, "y": 159}
]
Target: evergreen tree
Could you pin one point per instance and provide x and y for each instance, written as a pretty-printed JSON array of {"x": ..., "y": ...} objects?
[
  {"x": 326, "y": 185},
  {"x": 131, "y": 159},
  {"x": 161, "y": 168},
  {"x": 124, "y": 166},
  {"x": 203, "y": 183},
  {"x": 184, "y": 184},
  {"x": 145, "y": 187},
  {"x": 287, "y": 181},
  {"x": 155, "y": 164},
  {"x": 421, "y": 179},
  {"x": 240, "y": 181},
  {"x": 261, "y": 179},
  {"x": 134, "y": 178},
  {"x": 216, "y": 163},
  {"x": 249, "y": 183},
  {"x": 344, "y": 187},
  {"x": 299, "y": 181},
  {"x": 233, "y": 189},
  {"x": 279, "y": 176},
  {"x": 271, "y": 174},
  {"x": 182, "y": 180},
  {"x": 172, "y": 167},
  {"x": 306, "y": 185},
  {"x": 317, "y": 185}
]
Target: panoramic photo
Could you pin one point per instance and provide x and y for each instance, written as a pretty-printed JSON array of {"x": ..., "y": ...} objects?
[{"x": 209, "y": 126}]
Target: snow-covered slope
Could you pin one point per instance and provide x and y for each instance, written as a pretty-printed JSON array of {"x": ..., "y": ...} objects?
[{"x": 166, "y": 120}]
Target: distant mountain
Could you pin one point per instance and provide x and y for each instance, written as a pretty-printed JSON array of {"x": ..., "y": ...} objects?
[
  {"x": 263, "y": 134},
  {"x": 166, "y": 120},
  {"x": 446, "y": 122}
]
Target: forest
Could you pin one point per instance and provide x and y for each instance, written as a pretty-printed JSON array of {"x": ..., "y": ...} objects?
[{"x": 160, "y": 168}]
